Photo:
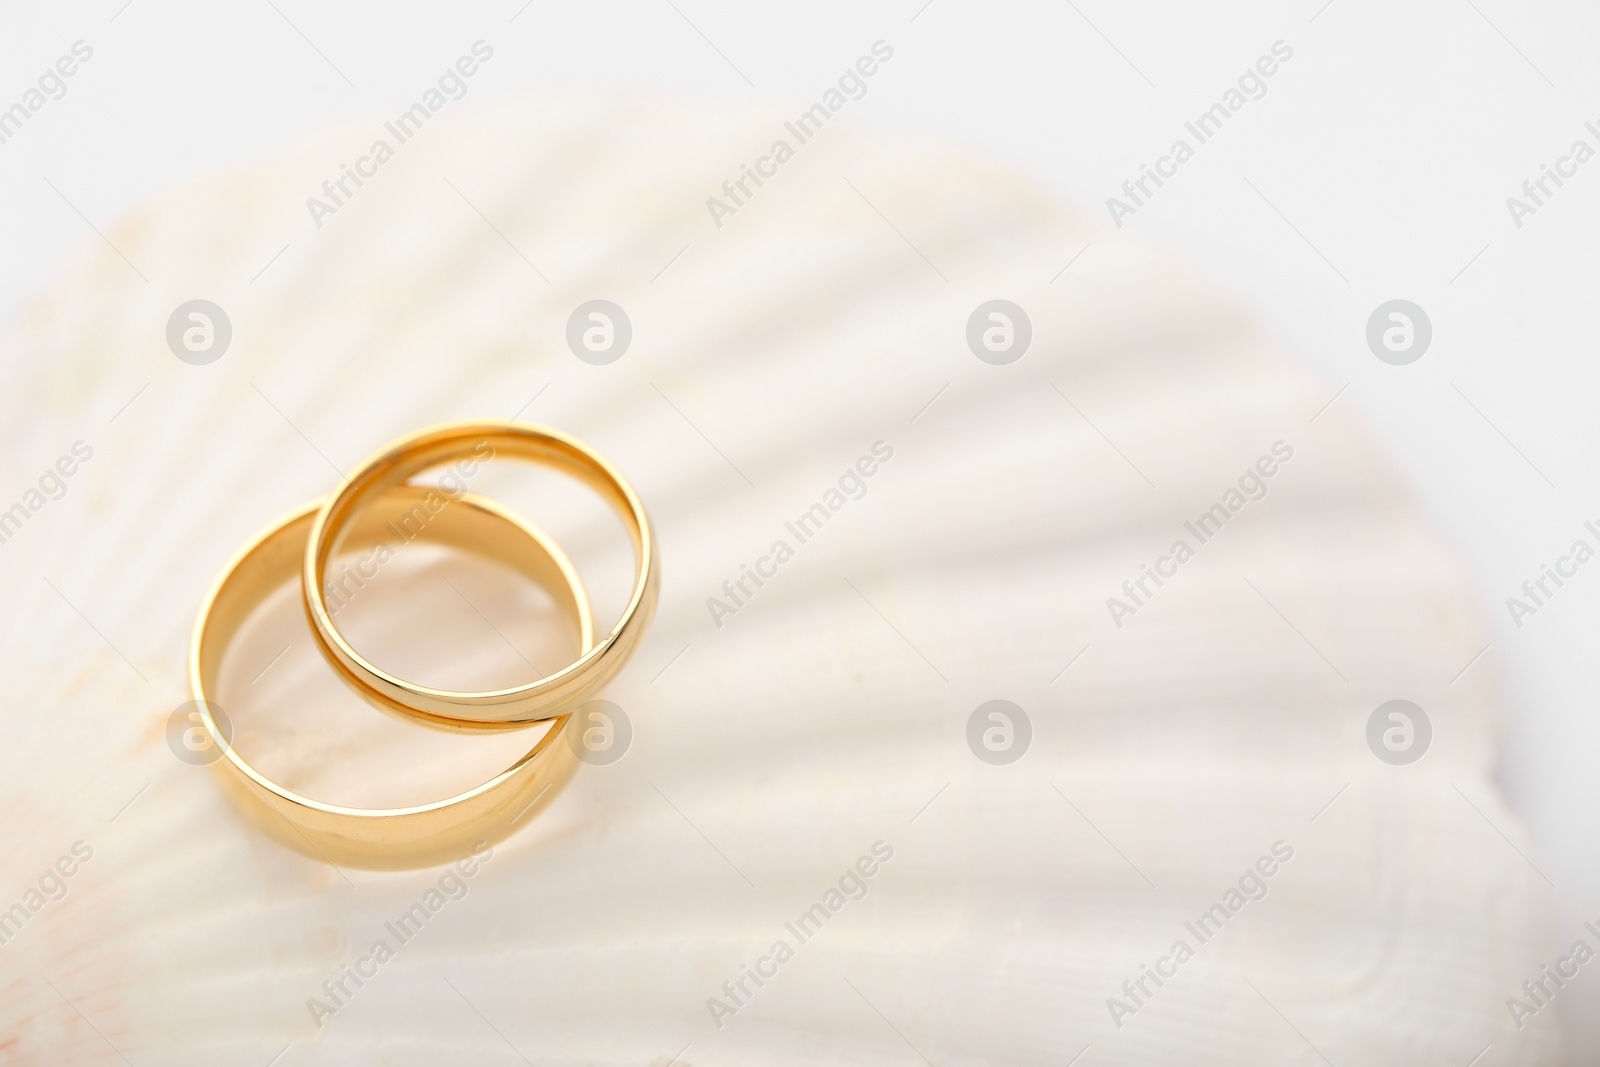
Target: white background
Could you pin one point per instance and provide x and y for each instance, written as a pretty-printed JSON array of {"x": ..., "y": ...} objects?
[{"x": 1377, "y": 166}]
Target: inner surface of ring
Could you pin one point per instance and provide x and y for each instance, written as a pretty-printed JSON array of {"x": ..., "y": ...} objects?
[{"x": 260, "y": 663}]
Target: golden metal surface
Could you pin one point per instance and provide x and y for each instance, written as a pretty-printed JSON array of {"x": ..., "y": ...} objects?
[
  {"x": 501, "y": 708},
  {"x": 389, "y": 837}
]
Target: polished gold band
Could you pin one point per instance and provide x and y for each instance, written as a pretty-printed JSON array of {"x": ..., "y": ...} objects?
[
  {"x": 389, "y": 837},
  {"x": 501, "y": 708}
]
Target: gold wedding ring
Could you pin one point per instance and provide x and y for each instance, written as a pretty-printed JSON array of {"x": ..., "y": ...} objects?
[
  {"x": 345, "y": 510},
  {"x": 387, "y": 837}
]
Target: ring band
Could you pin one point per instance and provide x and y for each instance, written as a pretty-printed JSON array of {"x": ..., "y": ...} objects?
[
  {"x": 385, "y": 837},
  {"x": 502, "y": 708}
]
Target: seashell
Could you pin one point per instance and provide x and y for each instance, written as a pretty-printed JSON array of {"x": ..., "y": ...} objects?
[{"x": 799, "y": 770}]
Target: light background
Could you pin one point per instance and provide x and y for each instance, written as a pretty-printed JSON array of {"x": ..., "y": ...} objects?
[{"x": 1377, "y": 166}]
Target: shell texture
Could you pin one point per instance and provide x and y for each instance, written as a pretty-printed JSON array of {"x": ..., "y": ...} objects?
[{"x": 780, "y": 739}]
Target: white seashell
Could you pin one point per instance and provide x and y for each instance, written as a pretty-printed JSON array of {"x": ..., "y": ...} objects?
[{"x": 829, "y": 713}]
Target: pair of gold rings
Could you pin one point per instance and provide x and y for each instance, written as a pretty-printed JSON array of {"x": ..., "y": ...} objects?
[{"x": 381, "y": 496}]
